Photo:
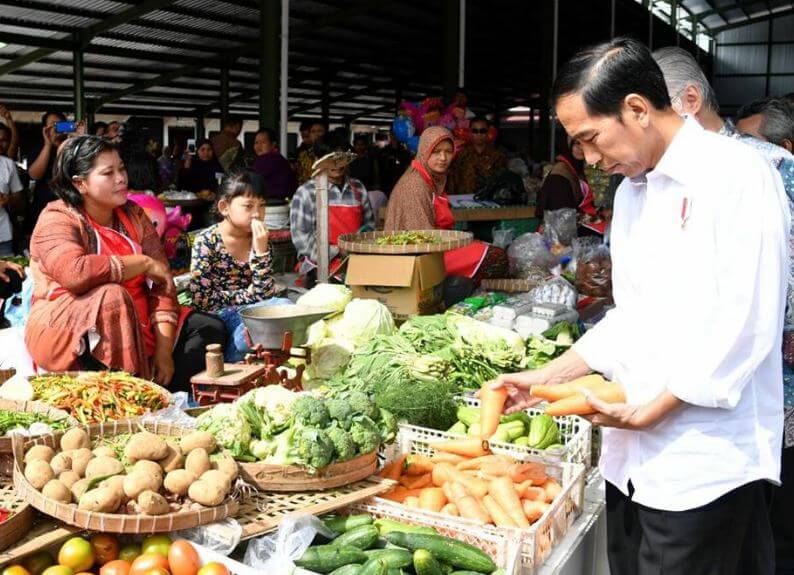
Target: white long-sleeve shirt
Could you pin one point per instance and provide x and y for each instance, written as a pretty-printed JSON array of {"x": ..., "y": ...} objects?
[{"x": 699, "y": 255}]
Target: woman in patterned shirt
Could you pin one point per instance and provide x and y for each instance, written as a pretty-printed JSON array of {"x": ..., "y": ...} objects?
[{"x": 231, "y": 265}]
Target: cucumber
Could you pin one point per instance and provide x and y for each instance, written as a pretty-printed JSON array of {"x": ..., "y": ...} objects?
[
  {"x": 394, "y": 557},
  {"x": 341, "y": 523},
  {"x": 362, "y": 537},
  {"x": 523, "y": 441},
  {"x": 352, "y": 569},
  {"x": 456, "y": 553},
  {"x": 465, "y": 573},
  {"x": 386, "y": 526},
  {"x": 326, "y": 558},
  {"x": 446, "y": 568},
  {"x": 374, "y": 567},
  {"x": 395, "y": 571},
  {"x": 425, "y": 563}
]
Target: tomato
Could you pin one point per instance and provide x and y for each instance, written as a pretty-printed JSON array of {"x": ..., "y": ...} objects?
[
  {"x": 148, "y": 561},
  {"x": 183, "y": 559},
  {"x": 36, "y": 564},
  {"x": 156, "y": 544},
  {"x": 77, "y": 554},
  {"x": 214, "y": 569},
  {"x": 117, "y": 567},
  {"x": 58, "y": 570},
  {"x": 15, "y": 570},
  {"x": 106, "y": 548},
  {"x": 157, "y": 571},
  {"x": 130, "y": 552}
]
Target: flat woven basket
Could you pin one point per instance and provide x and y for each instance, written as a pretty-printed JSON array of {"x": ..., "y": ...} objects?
[
  {"x": 6, "y": 441},
  {"x": 366, "y": 243},
  {"x": 19, "y": 523},
  {"x": 115, "y": 522},
  {"x": 292, "y": 478}
]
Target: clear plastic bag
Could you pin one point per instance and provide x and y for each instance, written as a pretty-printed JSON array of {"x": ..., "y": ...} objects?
[
  {"x": 559, "y": 226},
  {"x": 594, "y": 272},
  {"x": 581, "y": 246},
  {"x": 276, "y": 553},
  {"x": 527, "y": 253},
  {"x": 558, "y": 291},
  {"x": 222, "y": 537}
]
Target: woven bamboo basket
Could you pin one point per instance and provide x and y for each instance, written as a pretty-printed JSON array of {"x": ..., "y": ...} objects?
[
  {"x": 282, "y": 478},
  {"x": 31, "y": 407},
  {"x": 193, "y": 516},
  {"x": 19, "y": 523},
  {"x": 366, "y": 243}
]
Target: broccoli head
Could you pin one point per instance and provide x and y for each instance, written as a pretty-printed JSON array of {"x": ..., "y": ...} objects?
[
  {"x": 387, "y": 426},
  {"x": 311, "y": 412},
  {"x": 361, "y": 404},
  {"x": 365, "y": 434},
  {"x": 315, "y": 449},
  {"x": 340, "y": 410},
  {"x": 343, "y": 443}
]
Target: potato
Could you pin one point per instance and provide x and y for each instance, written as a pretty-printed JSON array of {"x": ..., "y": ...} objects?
[
  {"x": 145, "y": 445},
  {"x": 219, "y": 477},
  {"x": 197, "y": 461},
  {"x": 105, "y": 451},
  {"x": 178, "y": 481},
  {"x": 116, "y": 483},
  {"x": 57, "y": 491},
  {"x": 148, "y": 468},
  {"x": 75, "y": 438},
  {"x": 227, "y": 466},
  {"x": 206, "y": 493},
  {"x": 42, "y": 452},
  {"x": 78, "y": 488},
  {"x": 103, "y": 466},
  {"x": 197, "y": 439},
  {"x": 174, "y": 459},
  {"x": 68, "y": 478},
  {"x": 137, "y": 483},
  {"x": 101, "y": 500},
  {"x": 80, "y": 459},
  {"x": 152, "y": 503},
  {"x": 38, "y": 472},
  {"x": 61, "y": 462}
]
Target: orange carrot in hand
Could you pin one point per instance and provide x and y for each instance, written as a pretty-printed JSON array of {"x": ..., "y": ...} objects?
[
  {"x": 563, "y": 390},
  {"x": 492, "y": 404},
  {"x": 577, "y": 403},
  {"x": 469, "y": 447}
]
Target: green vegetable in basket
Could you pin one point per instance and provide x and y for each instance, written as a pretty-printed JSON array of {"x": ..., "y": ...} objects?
[
  {"x": 395, "y": 558},
  {"x": 555, "y": 447},
  {"x": 342, "y": 523},
  {"x": 425, "y": 563},
  {"x": 327, "y": 558},
  {"x": 352, "y": 569},
  {"x": 522, "y": 441},
  {"x": 362, "y": 537},
  {"x": 386, "y": 526},
  {"x": 374, "y": 567},
  {"x": 509, "y": 432},
  {"x": 543, "y": 431},
  {"x": 456, "y": 553}
]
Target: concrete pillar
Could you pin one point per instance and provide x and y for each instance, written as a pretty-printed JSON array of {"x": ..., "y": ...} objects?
[{"x": 269, "y": 63}]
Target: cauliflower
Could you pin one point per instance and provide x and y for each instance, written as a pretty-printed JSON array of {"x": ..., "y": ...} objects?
[
  {"x": 343, "y": 443},
  {"x": 268, "y": 409},
  {"x": 365, "y": 434},
  {"x": 315, "y": 449},
  {"x": 310, "y": 411},
  {"x": 362, "y": 404},
  {"x": 229, "y": 427},
  {"x": 340, "y": 411}
]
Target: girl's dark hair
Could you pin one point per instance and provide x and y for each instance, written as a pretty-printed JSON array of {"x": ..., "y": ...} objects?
[
  {"x": 49, "y": 113},
  {"x": 241, "y": 183},
  {"x": 203, "y": 141},
  {"x": 76, "y": 159}
]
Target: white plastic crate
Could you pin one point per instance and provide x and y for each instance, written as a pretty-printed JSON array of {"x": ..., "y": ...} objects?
[
  {"x": 536, "y": 542},
  {"x": 575, "y": 435}
]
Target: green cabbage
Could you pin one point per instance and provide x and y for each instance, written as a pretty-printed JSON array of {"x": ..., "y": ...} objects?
[
  {"x": 327, "y": 296},
  {"x": 365, "y": 318}
]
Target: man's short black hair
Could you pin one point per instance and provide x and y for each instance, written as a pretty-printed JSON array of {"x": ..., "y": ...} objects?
[
  {"x": 97, "y": 126},
  {"x": 305, "y": 126},
  {"x": 233, "y": 121},
  {"x": 605, "y": 74},
  {"x": 777, "y": 124},
  {"x": 61, "y": 117},
  {"x": 361, "y": 138},
  {"x": 270, "y": 133},
  {"x": 480, "y": 120},
  {"x": 6, "y": 129}
]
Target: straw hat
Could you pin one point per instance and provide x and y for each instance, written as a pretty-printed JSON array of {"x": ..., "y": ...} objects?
[{"x": 333, "y": 160}]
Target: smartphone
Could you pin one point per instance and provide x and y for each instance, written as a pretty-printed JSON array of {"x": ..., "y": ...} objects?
[
  {"x": 191, "y": 146},
  {"x": 65, "y": 127}
]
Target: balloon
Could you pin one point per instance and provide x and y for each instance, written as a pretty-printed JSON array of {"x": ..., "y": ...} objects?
[
  {"x": 413, "y": 144},
  {"x": 154, "y": 209}
]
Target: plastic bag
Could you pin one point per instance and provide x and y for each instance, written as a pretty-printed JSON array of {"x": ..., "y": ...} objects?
[
  {"x": 503, "y": 238},
  {"x": 558, "y": 291},
  {"x": 275, "y": 553},
  {"x": 594, "y": 272},
  {"x": 527, "y": 253},
  {"x": 17, "y": 307},
  {"x": 580, "y": 247},
  {"x": 559, "y": 226},
  {"x": 222, "y": 537}
]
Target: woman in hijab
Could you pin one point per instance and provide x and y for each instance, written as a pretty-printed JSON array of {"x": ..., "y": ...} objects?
[
  {"x": 202, "y": 171},
  {"x": 419, "y": 202}
]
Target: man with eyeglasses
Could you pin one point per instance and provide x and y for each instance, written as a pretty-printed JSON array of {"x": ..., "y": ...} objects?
[{"x": 478, "y": 162}]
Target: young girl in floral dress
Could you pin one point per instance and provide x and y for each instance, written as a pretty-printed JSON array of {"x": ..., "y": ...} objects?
[{"x": 231, "y": 265}]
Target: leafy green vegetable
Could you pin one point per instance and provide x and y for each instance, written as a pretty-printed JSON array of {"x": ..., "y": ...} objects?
[
  {"x": 427, "y": 333},
  {"x": 424, "y": 403},
  {"x": 311, "y": 411},
  {"x": 407, "y": 238},
  {"x": 229, "y": 427}
]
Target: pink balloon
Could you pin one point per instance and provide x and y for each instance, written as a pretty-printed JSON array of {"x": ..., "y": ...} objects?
[{"x": 153, "y": 208}]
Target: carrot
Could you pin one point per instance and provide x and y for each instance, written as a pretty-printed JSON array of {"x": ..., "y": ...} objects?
[
  {"x": 563, "y": 390},
  {"x": 468, "y": 447},
  {"x": 503, "y": 491},
  {"x": 470, "y": 508},
  {"x": 500, "y": 516},
  {"x": 458, "y": 491},
  {"x": 432, "y": 499},
  {"x": 393, "y": 469},
  {"x": 496, "y": 468},
  {"x": 552, "y": 489},
  {"x": 529, "y": 471},
  {"x": 447, "y": 489},
  {"x": 442, "y": 473},
  {"x": 447, "y": 458},
  {"x": 534, "y": 494},
  {"x": 416, "y": 482},
  {"x": 492, "y": 402},
  {"x": 412, "y": 502},
  {"x": 577, "y": 404},
  {"x": 450, "y": 509},
  {"x": 417, "y": 465},
  {"x": 474, "y": 485},
  {"x": 397, "y": 494},
  {"x": 534, "y": 510},
  {"x": 477, "y": 462}
]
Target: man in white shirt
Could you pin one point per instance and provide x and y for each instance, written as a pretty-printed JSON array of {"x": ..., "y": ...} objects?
[
  {"x": 699, "y": 251},
  {"x": 9, "y": 184}
]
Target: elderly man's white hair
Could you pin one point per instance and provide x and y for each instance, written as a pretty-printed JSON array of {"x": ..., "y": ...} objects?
[{"x": 680, "y": 70}]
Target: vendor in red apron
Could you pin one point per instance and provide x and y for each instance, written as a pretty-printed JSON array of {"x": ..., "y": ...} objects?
[
  {"x": 419, "y": 202},
  {"x": 349, "y": 211}
]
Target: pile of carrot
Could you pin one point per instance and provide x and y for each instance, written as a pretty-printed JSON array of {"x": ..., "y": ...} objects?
[
  {"x": 568, "y": 399},
  {"x": 464, "y": 479}
]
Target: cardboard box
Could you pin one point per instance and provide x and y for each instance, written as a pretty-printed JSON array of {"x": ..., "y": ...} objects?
[{"x": 407, "y": 285}]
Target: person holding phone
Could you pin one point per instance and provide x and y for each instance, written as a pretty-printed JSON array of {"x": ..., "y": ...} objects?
[{"x": 200, "y": 172}]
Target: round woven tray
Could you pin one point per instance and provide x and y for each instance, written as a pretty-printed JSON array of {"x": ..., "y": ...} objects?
[
  {"x": 293, "y": 478},
  {"x": 17, "y": 526},
  {"x": 6, "y": 441},
  {"x": 365, "y": 243},
  {"x": 115, "y": 522}
]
